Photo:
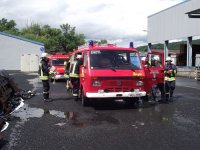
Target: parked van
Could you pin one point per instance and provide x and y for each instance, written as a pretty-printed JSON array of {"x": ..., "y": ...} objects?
[
  {"x": 110, "y": 72},
  {"x": 57, "y": 62}
]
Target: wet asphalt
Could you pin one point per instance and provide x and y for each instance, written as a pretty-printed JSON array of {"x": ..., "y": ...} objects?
[{"x": 64, "y": 124}]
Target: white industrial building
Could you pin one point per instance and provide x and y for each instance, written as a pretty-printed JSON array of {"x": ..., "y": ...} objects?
[
  {"x": 19, "y": 53},
  {"x": 181, "y": 21}
]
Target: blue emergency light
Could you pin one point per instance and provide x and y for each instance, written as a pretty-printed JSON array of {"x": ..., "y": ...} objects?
[
  {"x": 91, "y": 43},
  {"x": 131, "y": 44}
]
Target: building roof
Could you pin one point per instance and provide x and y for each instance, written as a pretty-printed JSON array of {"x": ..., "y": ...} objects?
[
  {"x": 194, "y": 13},
  {"x": 169, "y": 8},
  {"x": 173, "y": 52},
  {"x": 20, "y": 38}
]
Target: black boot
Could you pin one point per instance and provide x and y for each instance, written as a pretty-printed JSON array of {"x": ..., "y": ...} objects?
[
  {"x": 167, "y": 97},
  {"x": 171, "y": 95},
  {"x": 46, "y": 97},
  {"x": 162, "y": 96}
]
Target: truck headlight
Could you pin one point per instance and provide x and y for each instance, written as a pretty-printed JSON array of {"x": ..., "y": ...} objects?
[
  {"x": 96, "y": 83},
  {"x": 100, "y": 91},
  {"x": 139, "y": 83}
]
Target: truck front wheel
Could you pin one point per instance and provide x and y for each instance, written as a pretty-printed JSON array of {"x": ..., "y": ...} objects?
[{"x": 84, "y": 99}]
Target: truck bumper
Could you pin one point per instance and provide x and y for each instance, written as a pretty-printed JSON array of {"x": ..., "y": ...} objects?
[
  {"x": 115, "y": 94},
  {"x": 57, "y": 77}
]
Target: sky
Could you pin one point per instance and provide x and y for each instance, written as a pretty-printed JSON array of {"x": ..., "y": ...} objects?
[{"x": 117, "y": 21}]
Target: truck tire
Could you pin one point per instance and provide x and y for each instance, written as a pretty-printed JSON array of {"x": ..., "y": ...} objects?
[{"x": 84, "y": 99}]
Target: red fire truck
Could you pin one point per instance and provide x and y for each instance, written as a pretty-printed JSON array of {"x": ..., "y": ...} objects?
[
  {"x": 57, "y": 62},
  {"x": 110, "y": 72}
]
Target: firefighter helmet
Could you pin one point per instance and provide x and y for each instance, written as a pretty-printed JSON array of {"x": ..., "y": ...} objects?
[
  {"x": 143, "y": 58},
  {"x": 156, "y": 58},
  {"x": 78, "y": 56},
  {"x": 44, "y": 55},
  {"x": 169, "y": 59}
]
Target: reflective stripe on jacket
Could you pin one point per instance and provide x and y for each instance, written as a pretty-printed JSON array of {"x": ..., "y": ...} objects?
[
  {"x": 73, "y": 71},
  {"x": 43, "y": 71},
  {"x": 172, "y": 75},
  {"x": 66, "y": 68},
  {"x": 66, "y": 75}
]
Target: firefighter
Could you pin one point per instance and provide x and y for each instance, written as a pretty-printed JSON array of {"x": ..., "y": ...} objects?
[
  {"x": 66, "y": 74},
  {"x": 158, "y": 86},
  {"x": 146, "y": 62},
  {"x": 44, "y": 69},
  {"x": 74, "y": 74},
  {"x": 156, "y": 60},
  {"x": 65, "y": 68},
  {"x": 170, "y": 78}
]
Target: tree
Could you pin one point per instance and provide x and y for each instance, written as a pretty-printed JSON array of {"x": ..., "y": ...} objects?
[
  {"x": 45, "y": 34},
  {"x": 8, "y": 26},
  {"x": 34, "y": 29},
  {"x": 63, "y": 39},
  {"x": 51, "y": 36},
  {"x": 101, "y": 41},
  {"x": 70, "y": 40},
  {"x": 80, "y": 39}
]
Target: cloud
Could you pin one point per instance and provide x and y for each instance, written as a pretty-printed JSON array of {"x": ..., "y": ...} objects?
[{"x": 115, "y": 20}]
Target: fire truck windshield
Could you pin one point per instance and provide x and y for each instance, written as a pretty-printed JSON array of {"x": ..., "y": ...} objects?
[
  {"x": 114, "y": 59},
  {"x": 58, "y": 62}
]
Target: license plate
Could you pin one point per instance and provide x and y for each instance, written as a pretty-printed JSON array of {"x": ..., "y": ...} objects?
[{"x": 137, "y": 94}]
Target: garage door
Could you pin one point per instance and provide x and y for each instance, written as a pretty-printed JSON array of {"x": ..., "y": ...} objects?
[{"x": 29, "y": 62}]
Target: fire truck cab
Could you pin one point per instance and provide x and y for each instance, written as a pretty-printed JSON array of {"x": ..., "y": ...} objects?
[
  {"x": 110, "y": 72},
  {"x": 57, "y": 62}
]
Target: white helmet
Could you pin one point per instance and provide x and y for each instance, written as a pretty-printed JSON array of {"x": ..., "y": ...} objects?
[
  {"x": 143, "y": 58},
  {"x": 156, "y": 57},
  {"x": 44, "y": 55},
  {"x": 78, "y": 56},
  {"x": 169, "y": 59}
]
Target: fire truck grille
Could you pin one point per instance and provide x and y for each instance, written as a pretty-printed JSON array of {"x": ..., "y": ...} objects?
[
  {"x": 118, "y": 89},
  {"x": 119, "y": 83}
]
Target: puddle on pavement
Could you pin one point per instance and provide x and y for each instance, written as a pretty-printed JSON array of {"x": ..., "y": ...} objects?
[
  {"x": 26, "y": 112},
  {"x": 36, "y": 83},
  {"x": 70, "y": 118},
  {"x": 65, "y": 115}
]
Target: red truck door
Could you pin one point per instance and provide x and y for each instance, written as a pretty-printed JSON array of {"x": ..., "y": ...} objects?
[{"x": 154, "y": 69}]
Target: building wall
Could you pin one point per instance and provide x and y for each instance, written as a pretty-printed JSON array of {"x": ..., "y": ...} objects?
[
  {"x": 173, "y": 23},
  {"x": 11, "y": 50}
]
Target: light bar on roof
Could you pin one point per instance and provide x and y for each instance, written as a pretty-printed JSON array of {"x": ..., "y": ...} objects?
[
  {"x": 91, "y": 43},
  {"x": 131, "y": 45}
]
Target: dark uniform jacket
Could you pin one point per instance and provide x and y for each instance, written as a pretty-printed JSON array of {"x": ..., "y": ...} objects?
[
  {"x": 170, "y": 76},
  {"x": 44, "y": 70}
]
